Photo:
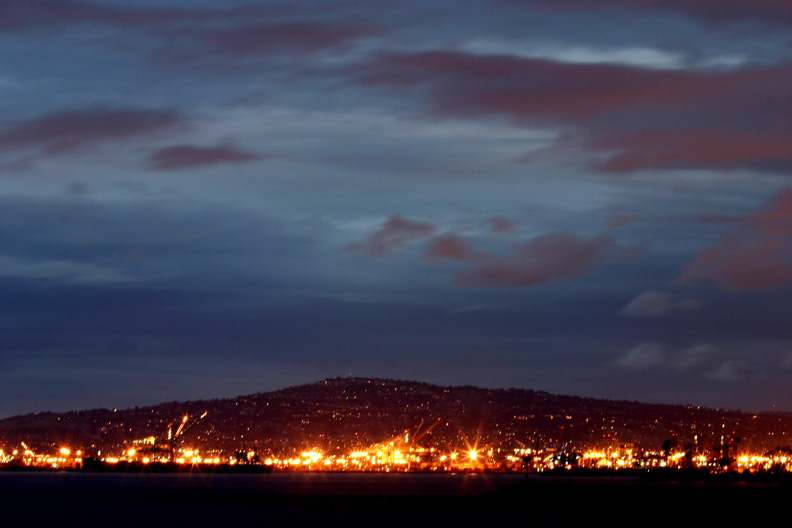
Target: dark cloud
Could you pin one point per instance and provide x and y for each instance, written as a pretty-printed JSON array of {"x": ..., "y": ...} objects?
[
  {"x": 23, "y": 15},
  {"x": 698, "y": 148},
  {"x": 295, "y": 37},
  {"x": 756, "y": 254},
  {"x": 742, "y": 264},
  {"x": 775, "y": 219},
  {"x": 775, "y": 11},
  {"x": 66, "y": 131},
  {"x": 468, "y": 84},
  {"x": 395, "y": 232},
  {"x": 189, "y": 156},
  {"x": 191, "y": 34},
  {"x": 544, "y": 259},
  {"x": 639, "y": 118},
  {"x": 114, "y": 283},
  {"x": 19, "y": 15}
]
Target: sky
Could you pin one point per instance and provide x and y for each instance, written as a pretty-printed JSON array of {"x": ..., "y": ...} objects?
[{"x": 201, "y": 199}]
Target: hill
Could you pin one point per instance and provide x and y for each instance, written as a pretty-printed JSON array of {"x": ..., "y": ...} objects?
[{"x": 342, "y": 414}]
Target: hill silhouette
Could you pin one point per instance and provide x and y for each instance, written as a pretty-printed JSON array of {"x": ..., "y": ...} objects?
[{"x": 342, "y": 414}]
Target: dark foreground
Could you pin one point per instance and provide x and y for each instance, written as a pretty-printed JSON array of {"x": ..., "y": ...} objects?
[{"x": 90, "y": 500}]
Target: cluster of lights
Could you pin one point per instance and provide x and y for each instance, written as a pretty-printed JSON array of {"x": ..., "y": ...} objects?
[
  {"x": 764, "y": 463},
  {"x": 389, "y": 457},
  {"x": 64, "y": 458},
  {"x": 376, "y": 460}
]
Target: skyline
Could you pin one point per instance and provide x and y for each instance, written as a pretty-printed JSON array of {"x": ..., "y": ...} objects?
[{"x": 203, "y": 200}]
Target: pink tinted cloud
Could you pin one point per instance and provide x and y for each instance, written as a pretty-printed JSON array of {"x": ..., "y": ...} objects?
[
  {"x": 500, "y": 224},
  {"x": 621, "y": 220},
  {"x": 395, "y": 232},
  {"x": 189, "y": 156},
  {"x": 547, "y": 258},
  {"x": 468, "y": 84},
  {"x": 754, "y": 258},
  {"x": 775, "y": 219},
  {"x": 741, "y": 264},
  {"x": 697, "y": 147},
  {"x": 71, "y": 130},
  {"x": 737, "y": 118},
  {"x": 449, "y": 246}
]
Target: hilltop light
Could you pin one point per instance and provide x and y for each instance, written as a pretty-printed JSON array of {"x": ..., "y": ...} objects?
[{"x": 65, "y": 451}]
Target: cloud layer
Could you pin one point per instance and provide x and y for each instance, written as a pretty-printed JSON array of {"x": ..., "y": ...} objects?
[
  {"x": 579, "y": 197},
  {"x": 189, "y": 156},
  {"x": 756, "y": 255},
  {"x": 709, "y": 118},
  {"x": 61, "y": 132},
  {"x": 548, "y": 258}
]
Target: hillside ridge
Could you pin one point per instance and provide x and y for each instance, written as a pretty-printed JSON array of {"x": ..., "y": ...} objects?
[{"x": 345, "y": 413}]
